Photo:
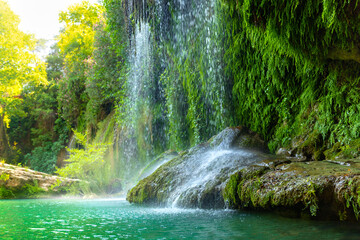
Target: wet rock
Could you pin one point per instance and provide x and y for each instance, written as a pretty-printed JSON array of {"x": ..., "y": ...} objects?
[
  {"x": 307, "y": 147},
  {"x": 158, "y": 161},
  {"x": 238, "y": 137},
  {"x": 317, "y": 189},
  {"x": 197, "y": 177}
]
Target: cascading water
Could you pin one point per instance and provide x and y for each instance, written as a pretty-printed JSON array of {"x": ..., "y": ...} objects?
[
  {"x": 205, "y": 171},
  {"x": 197, "y": 177},
  {"x": 195, "y": 86},
  {"x": 203, "y": 175},
  {"x": 176, "y": 90},
  {"x": 136, "y": 108}
]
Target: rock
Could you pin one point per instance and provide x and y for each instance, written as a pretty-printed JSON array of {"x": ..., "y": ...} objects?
[
  {"x": 238, "y": 137},
  {"x": 290, "y": 185},
  {"x": 20, "y": 182},
  {"x": 197, "y": 177},
  {"x": 157, "y": 162},
  {"x": 323, "y": 189}
]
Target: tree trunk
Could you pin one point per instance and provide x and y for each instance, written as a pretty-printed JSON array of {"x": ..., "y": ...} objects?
[{"x": 5, "y": 150}]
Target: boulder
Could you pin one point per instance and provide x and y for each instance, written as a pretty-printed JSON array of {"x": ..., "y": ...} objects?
[
  {"x": 197, "y": 177},
  {"x": 20, "y": 182}
]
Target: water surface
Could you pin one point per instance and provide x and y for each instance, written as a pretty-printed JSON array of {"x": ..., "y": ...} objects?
[{"x": 117, "y": 219}]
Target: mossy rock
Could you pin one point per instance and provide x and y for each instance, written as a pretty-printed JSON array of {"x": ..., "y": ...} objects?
[
  {"x": 307, "y": 146},
  {"x": 158, "y": 161},
  {"x": 327, "y": 190},
  {"x": 177, "y": 180},
  {"x": 344, "y": 151},
  {"x": 238, "y": 137}
]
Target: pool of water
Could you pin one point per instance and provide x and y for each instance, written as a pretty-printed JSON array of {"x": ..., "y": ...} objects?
[{"x": 117, "y": 219}]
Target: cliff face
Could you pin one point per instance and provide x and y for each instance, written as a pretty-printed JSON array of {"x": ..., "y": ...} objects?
[
  {"x": 296, "y": 71},
  {"x": 19, "y": 182}
]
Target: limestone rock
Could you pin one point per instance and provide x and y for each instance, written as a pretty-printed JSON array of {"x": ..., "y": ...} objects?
[
  {"x": 321, "y": 189},
  {"x": 14, "y": 181}
]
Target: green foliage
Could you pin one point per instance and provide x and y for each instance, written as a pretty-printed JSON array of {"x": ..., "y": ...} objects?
[
  {"x": 290, "y": 73},
  {"x": 40, "y": 135},
  {"x": 31, "y": 190},
  {"x": 55, "y": 63},
  {"x": 26, "y": 191},
  {"x": 76, "y": 44},
  {"x": 19, "y": 66},
  {"x": 352, "y": 196},
  {"x": 4, "y": 177},
  {"x": 310, "y": 199},
  {"x": 116, "y": 22},
  {"x": 103, "y": 84},
  {"x": 6, "y": 193},
  {"x": 86, "y": 164}
]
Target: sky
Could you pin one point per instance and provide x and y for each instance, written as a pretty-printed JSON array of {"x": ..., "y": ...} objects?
[{"x": 41, "y": 17}]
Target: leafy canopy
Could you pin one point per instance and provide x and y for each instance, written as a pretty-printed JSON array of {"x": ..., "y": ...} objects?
[{"x": 19, "y": 65}]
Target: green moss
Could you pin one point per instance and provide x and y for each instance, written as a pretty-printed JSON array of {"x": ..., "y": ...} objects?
[
  {"x": 26, "y": 191},
  {"x": 230, "y": 192},
  {"x": 310, "y": 198},
  {"x": 287, "y": 82},
  {"x": 31, "y": 190},
  {"x": 305, "y": 188},
  {"x": 352, "y": 196},
  {"x": 105, "y": 132},
  {"x": 344, "y": 151}
]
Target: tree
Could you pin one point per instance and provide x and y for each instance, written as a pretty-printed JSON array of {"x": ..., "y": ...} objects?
[
  {"x": 41, "y": 135},
  {"x": 19, "y": 66},
  {"x": 103, "y": 84},
  {"x": 76, "y": 45}
]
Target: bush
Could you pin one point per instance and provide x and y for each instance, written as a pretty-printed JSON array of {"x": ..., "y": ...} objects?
[{"x": 86, "y": 164}]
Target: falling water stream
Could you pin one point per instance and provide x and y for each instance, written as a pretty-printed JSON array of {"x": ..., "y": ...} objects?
[
  {"x": 186, "y": 34},
  {"x": 203, "y": 171}
]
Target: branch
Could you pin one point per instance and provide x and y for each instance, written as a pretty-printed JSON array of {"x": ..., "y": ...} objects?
[{"x": 344, "y": 54}]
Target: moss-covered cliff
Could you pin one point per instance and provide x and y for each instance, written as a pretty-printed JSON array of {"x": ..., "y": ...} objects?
[{"x": 295, "y": 67}]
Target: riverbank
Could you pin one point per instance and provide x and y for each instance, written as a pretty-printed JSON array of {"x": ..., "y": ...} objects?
[{"x": 22, "y": 182}]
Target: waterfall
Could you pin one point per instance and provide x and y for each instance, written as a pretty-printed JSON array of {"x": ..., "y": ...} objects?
[
  {"x": 176, "y": 89},
  {"x": 136, "y": 110},
  {"x": 197, "y": 178},
  {"x": 204, "y": 172}
]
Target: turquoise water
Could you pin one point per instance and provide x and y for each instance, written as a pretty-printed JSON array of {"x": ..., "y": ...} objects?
[{"x": 117, "y": 219}]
